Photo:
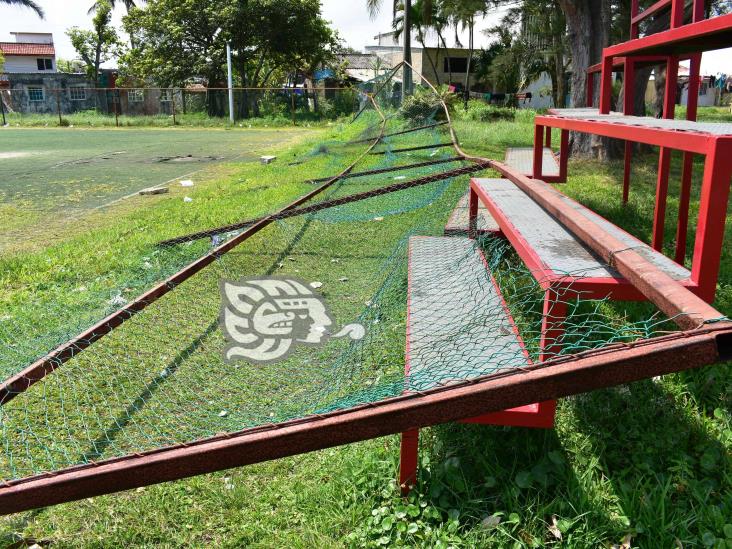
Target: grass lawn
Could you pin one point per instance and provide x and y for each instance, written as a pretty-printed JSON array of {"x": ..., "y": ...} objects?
[
  {"x": 649, "y": 463},
  {"x": 53, "y": 177}
]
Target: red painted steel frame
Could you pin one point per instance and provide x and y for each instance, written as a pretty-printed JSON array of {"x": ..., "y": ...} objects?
[
  {"x": 543, "y": 139},
  {"x": 590, "y": 288},
  {"x": 616, "y": 365},
  {"x": 715, "y": 184}
]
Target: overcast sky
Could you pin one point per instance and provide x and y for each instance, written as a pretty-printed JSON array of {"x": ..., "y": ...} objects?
[{"x": 349, "y": 17}]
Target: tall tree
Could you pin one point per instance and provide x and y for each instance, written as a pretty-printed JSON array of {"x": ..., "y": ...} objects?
[
  {"x": 128, "y": 4},
  {"x": 98, "y": 45},
  {"x": 423, "y": 16},
  {"x": 26, "y": 4},
  {"x": 463, "y": 13}
]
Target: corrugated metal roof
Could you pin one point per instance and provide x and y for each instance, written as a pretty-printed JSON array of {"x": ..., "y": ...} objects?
[{"x": 20, "y": 48}]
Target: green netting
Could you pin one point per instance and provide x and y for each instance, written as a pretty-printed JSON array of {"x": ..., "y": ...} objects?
[{"x": 160, "y": 378}]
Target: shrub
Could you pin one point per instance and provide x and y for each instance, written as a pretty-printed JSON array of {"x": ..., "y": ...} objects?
[{"x": 423, "y": 105}]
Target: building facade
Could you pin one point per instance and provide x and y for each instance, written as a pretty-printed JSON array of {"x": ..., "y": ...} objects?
[{"x": 31, "y": 52}]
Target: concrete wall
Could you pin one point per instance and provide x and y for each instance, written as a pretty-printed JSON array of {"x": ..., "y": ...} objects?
[{"x": 56, "y": 92}]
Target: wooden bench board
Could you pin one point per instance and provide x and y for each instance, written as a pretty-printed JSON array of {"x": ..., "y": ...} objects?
[
  {"x": 521, "y": 159},
  {"x": 458, "y": 326},
  {"x": 546, "y": 245}
]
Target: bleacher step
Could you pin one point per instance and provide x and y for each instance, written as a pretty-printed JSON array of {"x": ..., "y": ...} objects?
[
  {"x": 457, "y": 224},
  {"x": 459, "y": 327},
  {"x": 521, "y": 159}
]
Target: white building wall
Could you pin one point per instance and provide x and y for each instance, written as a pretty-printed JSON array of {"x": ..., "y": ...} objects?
[
  {"x": 541, "y": 94},
  {"x": 33, "y": 37},
  {"x": 26, "y": 64}
]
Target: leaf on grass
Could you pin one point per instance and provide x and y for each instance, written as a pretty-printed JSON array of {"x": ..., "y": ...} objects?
[
  {"x": 490, "y": 522},
  {"x": 554, "y": 529}
]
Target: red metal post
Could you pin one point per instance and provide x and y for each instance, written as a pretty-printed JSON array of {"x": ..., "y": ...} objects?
[
  {"x": 659, "y": 214},
  {"x": 672, "y": 81},
  {"x": 712, "y": 215},
  {"x": 692, "y": 101},
  {"x": 606, "y": 84},
  {"x": 408, "y": 461},
  {"x": 627, "y": 170},
  {"x": 472, "y": 214},
  {"x": 633, "y": 24},
  {"x": 590, "y": 89},
  {"x": 563, "y": 154},
  {"x": 548, "y": 138},
  {"x": 677, "y": 13},
  {"x": 538, "y": 150}
]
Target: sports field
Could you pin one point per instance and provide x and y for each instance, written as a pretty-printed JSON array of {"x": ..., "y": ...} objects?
[{"x": 49, "y": 175}]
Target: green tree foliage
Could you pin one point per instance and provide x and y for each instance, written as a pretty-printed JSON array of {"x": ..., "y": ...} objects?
[
  {"x": 177, "y": 40},
  {"x": 99, "y": 45},
  {"x": 26, "y": 4}
]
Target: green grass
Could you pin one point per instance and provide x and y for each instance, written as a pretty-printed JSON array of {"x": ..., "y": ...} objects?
[
  {"x": 652, "y": 460},
  {"x": 93, "y": 119},
  {"x": 51, "y": 177}
]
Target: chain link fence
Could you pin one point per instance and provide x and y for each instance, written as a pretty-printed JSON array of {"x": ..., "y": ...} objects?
[{"x": 81, "y": 105}]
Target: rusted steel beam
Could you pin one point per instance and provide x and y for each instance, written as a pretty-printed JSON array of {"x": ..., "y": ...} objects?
[
  {"x": 35, "y": 372},
  {"x": 378, "y": 171},
  {"x": 420, "y": 148},
  {"x": 403, "y": 132},
  {"x": 475, "y": 167},
  {"x": 560, "y": 378},
  {"x": 682, "y": 306}
]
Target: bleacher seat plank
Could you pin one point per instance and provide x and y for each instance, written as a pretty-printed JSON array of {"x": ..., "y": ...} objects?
[
  {"x": 547, "y": 245},
  {"x": 521, "y": 159},
  {"x": 458, "y": 324},
  {"x": 457, "y": 224}
]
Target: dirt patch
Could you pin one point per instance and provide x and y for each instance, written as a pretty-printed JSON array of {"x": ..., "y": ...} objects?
[
  {"x": 8, "y": 155},
  {"x": 189, "y": 158}
]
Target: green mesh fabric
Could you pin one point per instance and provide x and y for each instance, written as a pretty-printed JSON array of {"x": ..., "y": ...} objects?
[{"x": 160, "y": 378}]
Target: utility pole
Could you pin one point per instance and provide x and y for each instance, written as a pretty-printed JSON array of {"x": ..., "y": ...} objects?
[
  {"x": 407, "y": 77},
  {"x": 231, "y": 82}
]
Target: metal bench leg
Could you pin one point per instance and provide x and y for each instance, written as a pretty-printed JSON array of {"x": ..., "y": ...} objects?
[
  {"x": 538, "y": 151},
  {"x": 684, "y": 200},
  {"x": 715, "y": 191},
  {"x": 626, "y": 171},
  {"x": 552, "y": 328},
  {"x": 473, "y": 214},
  {"x": 659, "y": 214},
  {"x": 408, "y": 460}
]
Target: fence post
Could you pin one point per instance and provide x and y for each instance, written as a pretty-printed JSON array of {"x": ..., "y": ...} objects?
[
  {"x": 172, "y": 103},
  {"x": 117, "y": 100},
  {"x": 58, "y": 107},
  {"x": 292, "y": 101},
  {"x": 2, "y": 108}
]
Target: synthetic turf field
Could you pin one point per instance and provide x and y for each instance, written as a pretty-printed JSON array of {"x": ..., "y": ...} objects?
[{"x": 47, "y": 174}]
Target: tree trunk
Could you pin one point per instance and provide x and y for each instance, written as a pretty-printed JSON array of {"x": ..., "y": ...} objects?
[
  {"x": 471, "y": 29},
  {"x": 588, "y": 23}
]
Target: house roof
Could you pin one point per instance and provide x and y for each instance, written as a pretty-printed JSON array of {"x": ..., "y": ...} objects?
[{"x": 20, "y": 48}]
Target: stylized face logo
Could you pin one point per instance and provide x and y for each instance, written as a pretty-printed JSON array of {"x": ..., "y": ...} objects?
[{"x": 264, "y": 318}]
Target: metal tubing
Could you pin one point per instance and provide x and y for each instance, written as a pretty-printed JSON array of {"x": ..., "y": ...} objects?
[
  {"x": 538, "y": 163},
  {"x": 410, "y": 130},
  {"x": 409, "y": 149},
  {"x": 392, "y": 169},
  {"x": 619, "y": 364},
  {"x": 659, "y": 213}
]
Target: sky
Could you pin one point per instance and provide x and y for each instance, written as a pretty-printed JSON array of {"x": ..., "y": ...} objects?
[{"x": 349, "y": 17}]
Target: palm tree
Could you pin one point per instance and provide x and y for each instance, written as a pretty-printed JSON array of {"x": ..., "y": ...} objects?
[
  {"x": 128, "y": 4},
  {"x": 26, "y": 4},
  {"x": 374, "y": 6}
]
